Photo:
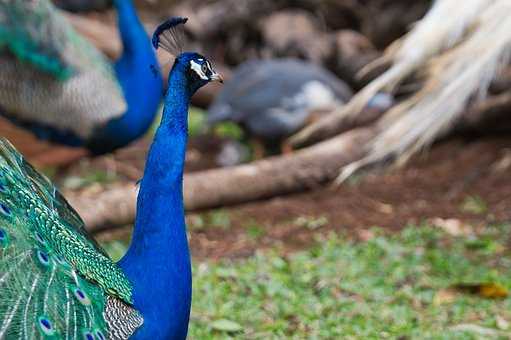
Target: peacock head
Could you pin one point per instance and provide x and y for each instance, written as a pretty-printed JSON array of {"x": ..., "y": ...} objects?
[{"x": 196, "y": 68}]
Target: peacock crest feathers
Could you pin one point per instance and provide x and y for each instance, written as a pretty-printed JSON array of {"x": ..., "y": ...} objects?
[
  {"x": 170, "y": 35},
  {"x": 55, "y": 281}
]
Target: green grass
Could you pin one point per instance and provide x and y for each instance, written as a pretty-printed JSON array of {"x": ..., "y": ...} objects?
[
  {"x": 217, "y": 218},
  {"x": 89, "y": 178},
  {"x": 197, "y": 126},
  {"x": 229, "y": 130},
  {"x": 382, "y": 288},
  {"x": 196, "y": 121},
  {"x": 387, "y": 287},
  {"x": 474, "y": 205}
]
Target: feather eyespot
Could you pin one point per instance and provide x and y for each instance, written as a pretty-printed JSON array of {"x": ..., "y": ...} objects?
[
  {"x": 88, "y": 335},
  {"x": 5, "y": 209},
  {"x": 43, "y": 258},
  {"x": 3, "y": 237},
  {"x": 81, "y": 297},
  {"x": 46, "y": 326}
]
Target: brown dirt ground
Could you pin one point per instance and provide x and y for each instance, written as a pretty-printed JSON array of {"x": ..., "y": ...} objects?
[{"x": 433, "y": 185}]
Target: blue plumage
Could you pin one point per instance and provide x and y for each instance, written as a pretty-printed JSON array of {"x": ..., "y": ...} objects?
[
  {"x": 139, "y": 75},
  {"x": 163, "y": 294}
]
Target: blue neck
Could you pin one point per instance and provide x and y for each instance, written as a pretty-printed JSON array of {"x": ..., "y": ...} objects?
[
  {"x": 139, "y": 75},
  {"x": 158, "y": 260}
]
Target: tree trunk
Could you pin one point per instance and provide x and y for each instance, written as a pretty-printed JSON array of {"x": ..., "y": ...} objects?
[
  {"x": 269, "y": 177},
  {"x": 336, "y": 122},
  {"x": 331, "y": 125},
  {"x": 274, "y": 176},
  {"x": 493, "y": 114},
  {"x": 266, "y": 178}
]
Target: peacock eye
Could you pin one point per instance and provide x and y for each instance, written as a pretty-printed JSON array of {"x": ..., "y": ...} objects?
[{"x": 204, "y": 68}]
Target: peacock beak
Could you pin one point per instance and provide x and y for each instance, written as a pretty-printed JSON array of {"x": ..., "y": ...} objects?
[{"x": 217, "y": 77}]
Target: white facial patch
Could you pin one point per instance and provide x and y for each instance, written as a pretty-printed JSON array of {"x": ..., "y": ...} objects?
[{"x": 198, "y": 69}]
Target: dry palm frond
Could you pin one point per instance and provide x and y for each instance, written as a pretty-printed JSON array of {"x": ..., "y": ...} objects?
[
  {"x": 452, "y": 79},
  {"x": 443, "y": 27}
]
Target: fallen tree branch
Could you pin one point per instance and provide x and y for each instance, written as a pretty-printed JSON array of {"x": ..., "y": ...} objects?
[
  {"x": 437, "y": 32},
  {"x": 270, "y": 177},
  {"x": 487, "y": 114},
  {"x": 266, "y": 178},
  {"x": 337, "y": 123},
  {"x": 331, "y": 125},
  {"x": 274, "y": 176}
]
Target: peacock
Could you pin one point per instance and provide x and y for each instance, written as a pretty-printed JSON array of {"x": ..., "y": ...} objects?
[
  {"x": 57, "y": 283},
  {"x": 60, "y": 87}
]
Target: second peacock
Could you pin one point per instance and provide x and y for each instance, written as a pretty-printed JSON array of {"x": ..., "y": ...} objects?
[{"x": 61, "y": 88}]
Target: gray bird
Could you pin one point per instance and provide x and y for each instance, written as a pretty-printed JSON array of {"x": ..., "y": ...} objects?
[{"x": 272, "y": 99}]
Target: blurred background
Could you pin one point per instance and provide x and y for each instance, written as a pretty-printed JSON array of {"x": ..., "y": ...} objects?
[{"x": 349, "y": 180}]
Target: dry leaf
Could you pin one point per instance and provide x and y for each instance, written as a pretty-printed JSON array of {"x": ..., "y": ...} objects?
[
  {"x": 504, "y": 163},
  {"x": 501, "y": 323},
  {"x": 482, "y": 331},
  {"x": 365, "y": 235},
  {"x": 444, "y": 296},
  {"x": 489, "y": 290},
  {"x": 452, "y": 226},
  {"x": 485, "y": 290},
  {"x": 226, "y": 325},
  {"x": 385, "y": 208}
]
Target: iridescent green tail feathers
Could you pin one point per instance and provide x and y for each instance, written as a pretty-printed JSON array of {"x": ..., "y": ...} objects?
[{"x": 55, "y": 282}]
